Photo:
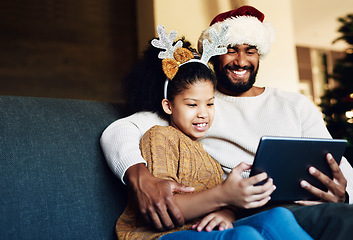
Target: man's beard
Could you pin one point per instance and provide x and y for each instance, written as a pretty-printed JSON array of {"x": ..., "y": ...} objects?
[{"x": 236, "y": 87}]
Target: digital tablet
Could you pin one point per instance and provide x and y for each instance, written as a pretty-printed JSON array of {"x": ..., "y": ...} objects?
[{"x": 286, "y": 160}]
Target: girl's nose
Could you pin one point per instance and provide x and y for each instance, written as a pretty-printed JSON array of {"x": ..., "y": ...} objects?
[{"x": 202, "y": 113}]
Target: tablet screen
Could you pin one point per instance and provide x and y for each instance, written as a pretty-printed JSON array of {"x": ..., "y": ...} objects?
[{"x": 286, "y": 160}]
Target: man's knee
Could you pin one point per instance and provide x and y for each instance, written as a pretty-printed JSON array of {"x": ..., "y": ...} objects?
[
  {"x": 340, "y": 212},
  {"x": 326, "y": 221},
  {"x": 322, "y": 212}
]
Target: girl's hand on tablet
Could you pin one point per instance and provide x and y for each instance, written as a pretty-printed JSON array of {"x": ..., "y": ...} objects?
[{"x": 242, "y": 192}]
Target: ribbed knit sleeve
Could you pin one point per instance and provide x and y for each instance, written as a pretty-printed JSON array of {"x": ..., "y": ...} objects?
[{"x": 120, "y": 140}]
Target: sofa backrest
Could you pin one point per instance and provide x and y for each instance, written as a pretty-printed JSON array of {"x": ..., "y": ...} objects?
[{"x": 54, "y": 181}]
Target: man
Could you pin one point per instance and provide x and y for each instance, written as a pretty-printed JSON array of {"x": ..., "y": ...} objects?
[{"x": 244, "y": 113}]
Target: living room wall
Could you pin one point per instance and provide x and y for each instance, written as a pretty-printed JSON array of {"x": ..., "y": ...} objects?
[{"x": 66, "y": 49}]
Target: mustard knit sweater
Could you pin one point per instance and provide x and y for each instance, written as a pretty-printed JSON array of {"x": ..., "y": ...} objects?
[{"x": 170, "y": 155}]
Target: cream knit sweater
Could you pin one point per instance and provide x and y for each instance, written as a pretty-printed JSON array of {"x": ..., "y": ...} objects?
[{"x": 239, "y": 124}]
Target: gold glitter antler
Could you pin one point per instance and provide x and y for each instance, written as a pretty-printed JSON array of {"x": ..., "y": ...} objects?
[
  {"x": 214, "y": 48},
  {"x": 166, "y": 42}
]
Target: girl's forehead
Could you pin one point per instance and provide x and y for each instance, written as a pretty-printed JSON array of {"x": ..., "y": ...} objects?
[
  {"x": 199, "y": 84},
  {"x": 199, "y": 89}
]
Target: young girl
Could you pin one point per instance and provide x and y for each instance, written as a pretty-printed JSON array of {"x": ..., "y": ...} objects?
[{"x": 173, "y": 153}]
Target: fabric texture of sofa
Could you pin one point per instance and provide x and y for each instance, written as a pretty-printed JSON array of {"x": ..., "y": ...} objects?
[{"x": 54, "y": 180}]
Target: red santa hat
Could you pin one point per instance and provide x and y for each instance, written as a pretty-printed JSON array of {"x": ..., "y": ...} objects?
[{"x": 246, "y": 26}]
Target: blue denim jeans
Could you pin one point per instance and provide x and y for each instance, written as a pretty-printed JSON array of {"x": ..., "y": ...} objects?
[{"x": 277, "y": 223}]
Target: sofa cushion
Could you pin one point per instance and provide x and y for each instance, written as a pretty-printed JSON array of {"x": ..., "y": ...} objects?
[{"x": 54, "y": 181}]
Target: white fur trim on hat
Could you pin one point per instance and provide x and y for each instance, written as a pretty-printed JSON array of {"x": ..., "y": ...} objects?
[{"x": 244, "y": 30}]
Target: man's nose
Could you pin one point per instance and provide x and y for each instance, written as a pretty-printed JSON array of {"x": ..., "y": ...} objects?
[{"x": 240, "y": 60}]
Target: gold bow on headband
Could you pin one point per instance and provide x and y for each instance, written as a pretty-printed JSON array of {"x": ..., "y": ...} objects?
[{"x": 171, "y": 66}]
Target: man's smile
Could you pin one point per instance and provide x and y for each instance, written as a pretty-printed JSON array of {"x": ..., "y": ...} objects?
[{"x": 239, "y": 73}]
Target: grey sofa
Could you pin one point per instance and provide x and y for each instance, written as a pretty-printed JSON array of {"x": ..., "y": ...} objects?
[{"x": 54, "y": 181}]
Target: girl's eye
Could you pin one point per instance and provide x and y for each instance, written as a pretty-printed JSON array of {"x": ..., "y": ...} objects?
[
  {"x": 192, "y": 105},
  {"x": 210, "y": 104}
]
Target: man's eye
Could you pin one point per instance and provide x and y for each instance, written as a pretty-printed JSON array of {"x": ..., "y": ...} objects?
[{"x": 251, "y": 52}]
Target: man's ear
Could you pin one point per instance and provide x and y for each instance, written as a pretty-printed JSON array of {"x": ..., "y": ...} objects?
[{"x": 166, "y": 105}]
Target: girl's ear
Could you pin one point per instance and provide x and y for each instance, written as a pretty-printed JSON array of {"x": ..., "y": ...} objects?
[{"x": 166, "y": 105}]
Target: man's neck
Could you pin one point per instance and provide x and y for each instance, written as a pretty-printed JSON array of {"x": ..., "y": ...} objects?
[{"x": 252, "y": 92}]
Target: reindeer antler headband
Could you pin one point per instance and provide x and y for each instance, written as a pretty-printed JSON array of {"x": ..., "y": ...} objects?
[{"x": 175, "y": 56}]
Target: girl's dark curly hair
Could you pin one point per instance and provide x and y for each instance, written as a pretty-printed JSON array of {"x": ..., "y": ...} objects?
[{"x": 145, "y": 83}]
